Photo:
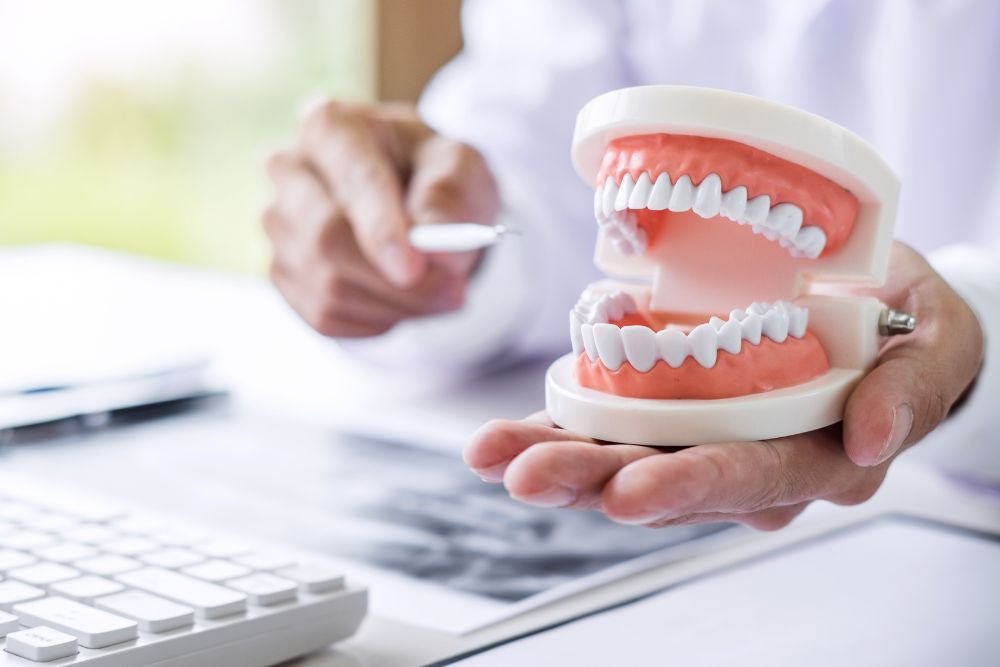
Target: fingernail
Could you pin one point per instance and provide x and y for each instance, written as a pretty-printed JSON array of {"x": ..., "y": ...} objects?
[
  {"x": 397, "y": 263},
  {"x": 902, "y": 422},
  {"x": 494, "y": 473},
  {"x": 555, "y": 496}
]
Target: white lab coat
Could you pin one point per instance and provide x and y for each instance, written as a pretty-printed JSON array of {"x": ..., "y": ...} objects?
[{"x": 919, "y": 80}]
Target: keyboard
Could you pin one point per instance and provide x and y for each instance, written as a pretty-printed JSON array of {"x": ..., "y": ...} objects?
[{"x": 84, "y": 581}]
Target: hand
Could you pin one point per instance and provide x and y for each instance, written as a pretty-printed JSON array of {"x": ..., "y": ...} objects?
[
  {"x": 345, "y": 198},
  {"x": 763, "y": 484}
]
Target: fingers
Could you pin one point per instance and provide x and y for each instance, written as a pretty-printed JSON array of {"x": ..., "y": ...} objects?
[
  {"x": 496, "y": 443},
  {"x": 352, "y": 153},
  {"x": 737, "y": 479},
  {"x": 919, "y": 376}
]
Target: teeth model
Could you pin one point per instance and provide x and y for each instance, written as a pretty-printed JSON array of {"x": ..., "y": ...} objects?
[
  {"x": 782, "y": 222},
  {"x": 593, "y": 332}
]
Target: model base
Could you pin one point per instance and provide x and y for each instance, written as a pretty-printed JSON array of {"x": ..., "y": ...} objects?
[{"x": 672, "y": 423}]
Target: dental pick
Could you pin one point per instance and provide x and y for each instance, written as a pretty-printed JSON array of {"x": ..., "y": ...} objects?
[{"x": 457, "y": 236}]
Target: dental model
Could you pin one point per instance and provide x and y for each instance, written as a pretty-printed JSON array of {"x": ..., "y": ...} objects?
[{"x": 726, "y": 221}]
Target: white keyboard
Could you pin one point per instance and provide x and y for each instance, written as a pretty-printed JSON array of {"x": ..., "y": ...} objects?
[{"x": 85, "y": 582}]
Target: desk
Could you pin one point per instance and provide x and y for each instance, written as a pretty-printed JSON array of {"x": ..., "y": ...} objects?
[{"x": 201, "y": 445}]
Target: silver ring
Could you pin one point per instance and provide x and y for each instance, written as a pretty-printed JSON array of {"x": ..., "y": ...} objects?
[{"x": 896, "y": 323}]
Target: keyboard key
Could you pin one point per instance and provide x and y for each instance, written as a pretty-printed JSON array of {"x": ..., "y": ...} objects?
[
  {"x": 207, "y": 600},
  {"x": 11, "y": 559},
  {"x": 264, "y": 589},
  {"x": 65, "y": 552},
  {"x": 52, "y": 523},
  {"x": 264, "y": 562},
  {"x": 93, "y": 628},
  {"x": 222, "y": 549},
  {"x": 15, "y": 592},
  {"x": 90, "y": 534},
  {"x": 106, "y": 565},
  {"x": 172, "y": 559},
  {"x": 41, "y": 644},
  {"x": 43, "y": 574},
  {"x": 8, "y": 623},
  {"x": 152, "y": 613},
  {"x": 130, "y": 546},
  {"x": 216, "y": 570},
  {"x": 314, "y": 578},
  {"x": 25, "y": 540},
  {"x": 86, "y": 589}
]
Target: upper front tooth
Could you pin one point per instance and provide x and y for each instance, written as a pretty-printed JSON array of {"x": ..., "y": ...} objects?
[
  {"x": 734, "y": 203},
  {"x": 624, "y": 192},
  {"x": 587, "y": 333},
  {"x": 798, "y": 318},
  {"x": 786, "y": 219},
  {"x": 610, "y": 193},
  {"x": 575, "y": 335},
  {"x": 756, "y": 210},
  {"x": 809, "y": 242},
  {"x": 610, "y": 349},
  {"x": 598, "y": 197},
  {"x": 750, "y": 328},
  {"x": 709, "y": 197},
  {"x": 640, "y": 193},
  {"x": 659, "y": 198},
  {"x": 702, "y": 342},
  {"x": 640, "y": 347},
  {"x": 672, "y": 344},
  {"x": 775, "y": 325},
  {"x": 683, "y": 195},
  {"x": 730, "y": 338}
]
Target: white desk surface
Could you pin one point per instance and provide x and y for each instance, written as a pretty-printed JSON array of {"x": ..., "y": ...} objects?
[{"x": 242, "y": 317}]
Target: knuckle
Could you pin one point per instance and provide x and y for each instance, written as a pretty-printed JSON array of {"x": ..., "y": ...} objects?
[{"x": 776, "y": 489}]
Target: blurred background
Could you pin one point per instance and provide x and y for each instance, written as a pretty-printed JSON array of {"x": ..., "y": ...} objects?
[{"x": 144, "y": 126}]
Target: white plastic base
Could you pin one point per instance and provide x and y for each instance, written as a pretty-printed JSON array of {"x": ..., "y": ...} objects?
[{"x": 666, "y": 423}]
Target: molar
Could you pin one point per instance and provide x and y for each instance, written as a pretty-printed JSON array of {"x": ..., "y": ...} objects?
[
  {"x": 729, "y": 337},
  {"x": 708, "y": 199},
  {"x": 775, "y": 325},
  {"x": 798, "y": 319},
  {"x": 809, "y": 242},
  {"x": 682, "y": 197},
  {"x": 750, "y": 328},
  {"x": 640, "y": 347},
  {"x": 659, "y": 197},
  {"x": 703, "y": 343},
  {"x": 785, "y": 219},
  {"x": 716, "y": 322},
  {"x": 608, "y": 340},
  {"x": 672, "y": 344}
]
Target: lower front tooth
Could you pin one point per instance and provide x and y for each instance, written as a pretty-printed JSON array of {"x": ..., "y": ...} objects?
[
  {"x": 734, "y": 204},
  {"x": 775, "y": 325},
  {"x": 640, "y": 347},
  {"x": 750, "y": 328},
  {"x": 756, "y": 210},
  {"x": 587, "y": 333},
  {"x": 575, "y": 335},
  {"x": 672, "y": 344},
  {"x": 709, "y": 197},
  {"x": 702, "y": 342},
  {"x": 730, "y": 339},
  {"x": 682, "y": 197},
  {"x": 610, "y": 349}
]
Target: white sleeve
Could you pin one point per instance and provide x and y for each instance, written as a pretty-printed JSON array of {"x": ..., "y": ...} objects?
[
  {"x": 513, "y": 93},
  {"x": 966, "y": 444}
]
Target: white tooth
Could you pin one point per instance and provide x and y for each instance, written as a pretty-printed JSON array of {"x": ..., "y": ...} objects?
[
  {"x": 769, "y": 234},
  {"x": 750, "y": 329},
  {"x": 775, "y": 325},
  {"x": 598, "y": 210},
  {"x": 627, "y": 301},
  {"x": 659, "y": 198},
  {"x": 587, "y": 332},
  {"x": 737, "y": 314},
  {"x": 786, "y": 219},
  {"x": 639, "y": 242},
  {"x": 683, "y": 195},
  {"x": 798, "y": 318},
  {"x": 613, "y": 308},
  {"x": 702, "y": 342},
  {"x": 575, "y": 336},
  {"x": 640, "y": 347},
  {"x": 755, "y": 213},
  {"x": 730, "y": 338},
  {"x": 608, "y": 201},
  {"x": 809, "y": 242},
  {"x": 734, "y": 203},
  {"x": 716, "y": 322},
  {"x": 640, "y": 193},
  {"x": 709, "y": 197},
  {"x": 624, "y": 192},
  {"x": 608, "y": 339},
  {"x": 759, "y": 307},
  {"x": 672, "y": 344}
]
